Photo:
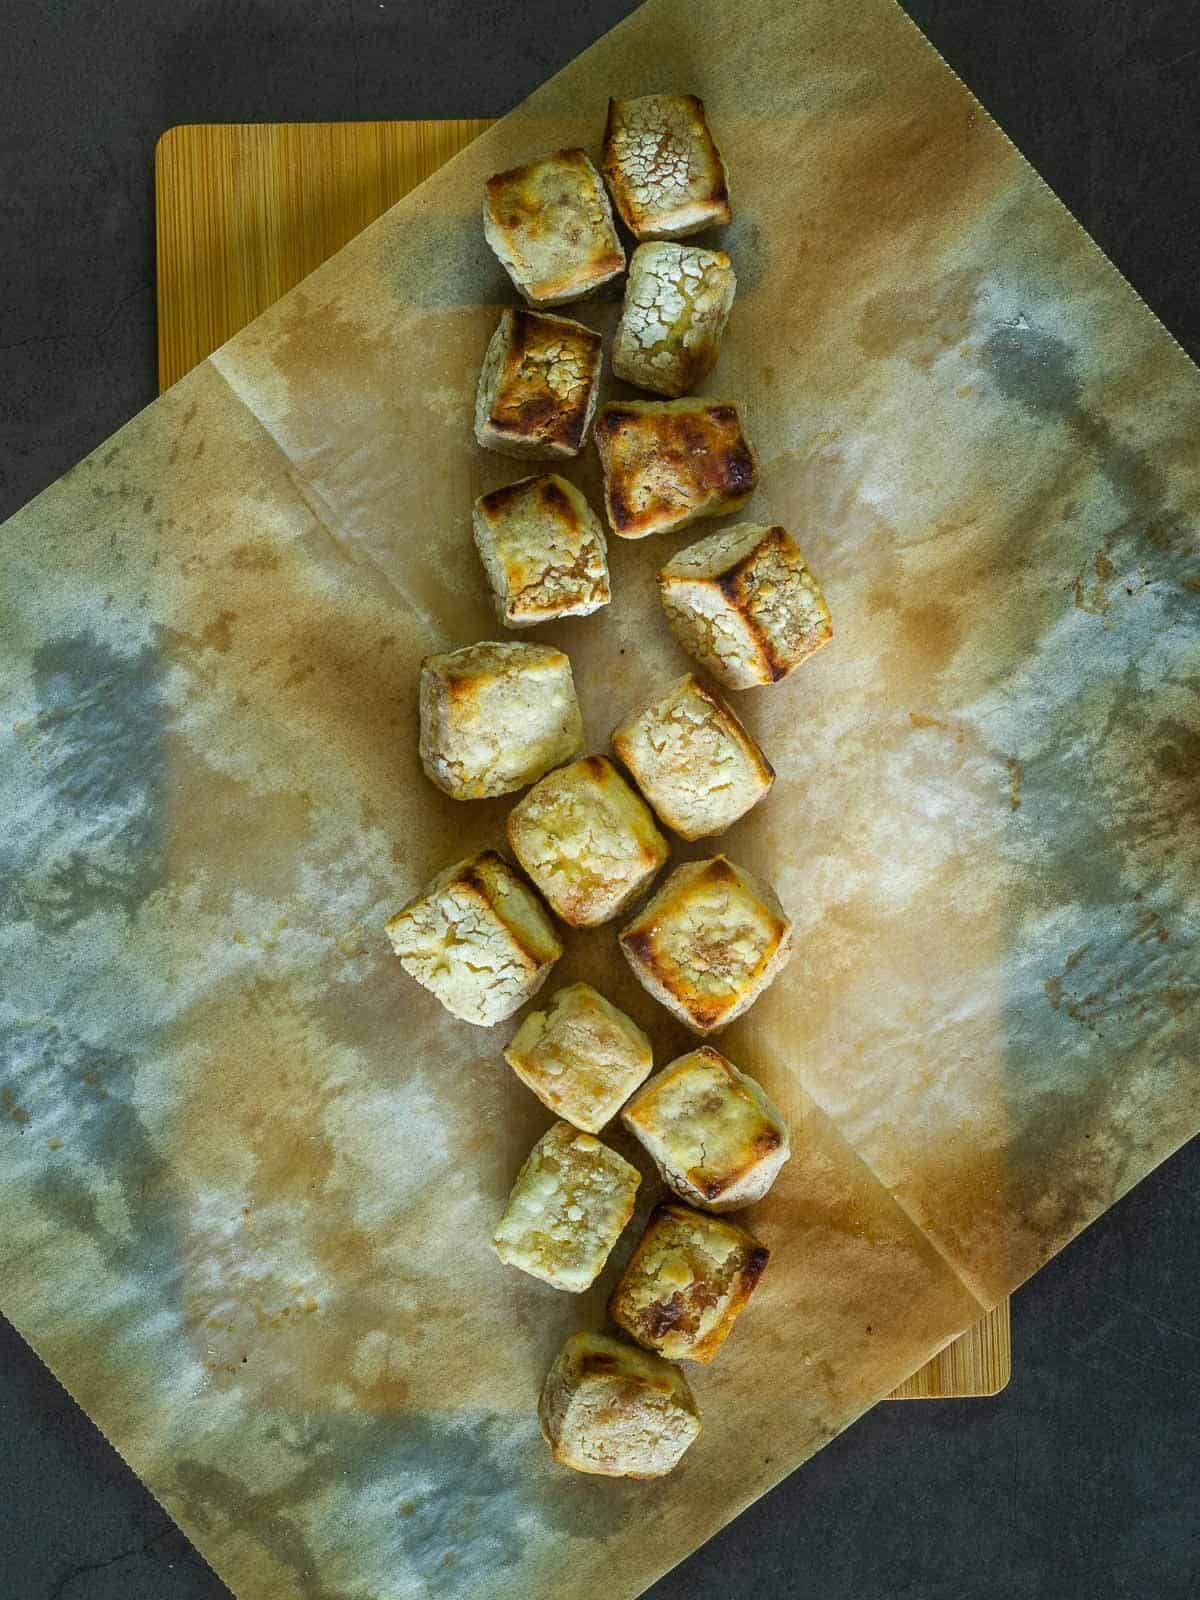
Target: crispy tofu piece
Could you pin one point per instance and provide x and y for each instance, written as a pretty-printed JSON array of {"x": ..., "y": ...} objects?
[
  {"x": 544, "y": 551},
  {"x": 587, "y": 840},
  {"x": 581, "y": 1056},
  {"x": 610, "y": 1408},
  {"x": 708, "y": 943},
  {"x": 662, "y": 167},
  {"x": 667, "y": 463},
  {"x": 478, "y": 939},
  {"x": 677, "y": 302},
  {"x": 538, "y": 386},
  {"x": 551, "y": 225},
  {"x": 693, "y": 760},
  {"x": 686, "y": 1283},
  {"x": 744, "y": 605},
  {"x": 572, "y": 1198},
  {"x": 495, "y": 716},
  {"x": 711, "y": 1131}
]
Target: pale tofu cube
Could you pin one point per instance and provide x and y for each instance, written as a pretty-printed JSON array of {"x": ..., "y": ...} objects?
[
  {"x": 544, "y": 551},
  {"x": 551, "y": 224},
  {"x": 609, "y": 1408},
  {"x": 708, "y": 943},
  {"x": 693, "y": 760},
  {"x": 538, "y": 386},
  {"x": 686, "y": 1283},
  {"x": 667, "y": 463},
  {"x": 588, "y": 841},
  {"x": 581, "y": 1056},
  {"x": 572, "y": 1198},
  {"x": 662, "y": 166},
  {"x": 677, "y": 302},
  {"x": 495, "y": 716},
  {"x": 478, "y": 939},
  {"x": 744, "y": 605},
  {"x": 711, "y": 1131}
]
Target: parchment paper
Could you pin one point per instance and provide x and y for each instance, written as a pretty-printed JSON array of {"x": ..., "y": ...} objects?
[{"x": 249, "y": 1169}]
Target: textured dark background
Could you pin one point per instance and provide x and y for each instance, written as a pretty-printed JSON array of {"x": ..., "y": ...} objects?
[{"x": 1081, "y": 1481}]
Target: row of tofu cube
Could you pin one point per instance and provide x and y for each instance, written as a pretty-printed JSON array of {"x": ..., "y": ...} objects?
[
  {"x": 743, "y": 601},
  {"x": 718, "y": 1143},
  {"x": 705, "y": 945},
  {"x": 551, "y": 225},
  {"x": 496, "y": 716}
]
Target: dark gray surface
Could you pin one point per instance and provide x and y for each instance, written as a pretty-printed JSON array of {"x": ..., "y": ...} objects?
[{"x": 1081, "y": 1481}]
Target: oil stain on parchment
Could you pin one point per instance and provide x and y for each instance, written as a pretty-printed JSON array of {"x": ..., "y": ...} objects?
[{"x": 95, "y": 744}]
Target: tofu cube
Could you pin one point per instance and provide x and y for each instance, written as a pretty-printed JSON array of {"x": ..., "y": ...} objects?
[
  {"x": 686, "y": 1283},
  {"x": 544, "y": 551},
  {"x": 551, "y": 225},
  {"x": 667, "y": 463},
  {"x": 581, "y": 1056},
  {"x": 587, "y": 840},
  {"x": 711, "y": 1131},
  {"x": 693, "y": 760},
  {"x": 609, "y": 1408},
  {"x": 744, "y": 605},
  {"x": 495, "y": 716},
  {"x": 572, "y": 1198},
  {"x": 538, "y": 386},
  {"x": 662, "y": 166},
  {"x": 478, "y": 939},
  {"x": 708, "y": 943},
  {"x": 677, "y": 302}
]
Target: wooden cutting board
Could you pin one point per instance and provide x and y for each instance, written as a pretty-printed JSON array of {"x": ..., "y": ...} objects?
[{"x": 244, "y": 211}]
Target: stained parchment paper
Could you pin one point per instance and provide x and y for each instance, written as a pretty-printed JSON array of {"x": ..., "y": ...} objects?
[{"x": 249, "y": 1169}]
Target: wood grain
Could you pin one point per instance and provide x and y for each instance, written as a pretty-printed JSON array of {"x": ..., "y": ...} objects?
[{"x": 243, "y": 212}]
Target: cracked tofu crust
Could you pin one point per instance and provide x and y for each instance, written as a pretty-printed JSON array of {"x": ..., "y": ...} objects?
[
  {"x": 544, "y": 551},
  {"x": 693, "y": 760},
  {"x": 587, "y": 840},
  {"x": 687, "y": 1282},
  {"x": 581, "y": 1056},
  {"x": 743, "y": 604},
  {"x": 495, "y": 716},
  {"x": 551, "y": 225},
  {"x": 708, "y": 943},
  {"x": 607, "y": 1407},
  {"x": 538, "y": 386},
  {"x": 677, "y": 302},
  {"x": 568, "y": 1207},
  {"x": 667, "y": 463},
  {"x": 663, "y": 168},
  {"x": 711, "y": 1130},
  {"x": 477, "y": 938}
]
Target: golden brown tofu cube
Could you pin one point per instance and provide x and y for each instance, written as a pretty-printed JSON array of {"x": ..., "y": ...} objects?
[
  {"x": 677, "y": 302},
  {"x": 495, "y": 716},
  {"x": 538, "y": 386},
  {"x": 667, "y": 463},
  {"x": 581, "y": 1056},
  {"x": 708, "y": 943},
  {"x": 543, "y": 549},
  {"x": 609, "y": 1408},
  {"x": 587, "y": 840},
  {"x": 711, "y": 1131},
  {"x": 743, "y": 603},
  {"x": 662, "y": 166},
  {"x": 686, "y": 1283},
  {"x": 572, "y": 1198},
  {"x": 478, "y": 939},
  {"x": 551, "y": 225},
  {"x": 693, "y": 760}
]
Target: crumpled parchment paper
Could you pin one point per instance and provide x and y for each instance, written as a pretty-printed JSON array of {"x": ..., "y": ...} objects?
[{"x": 249, "y": 1169}]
